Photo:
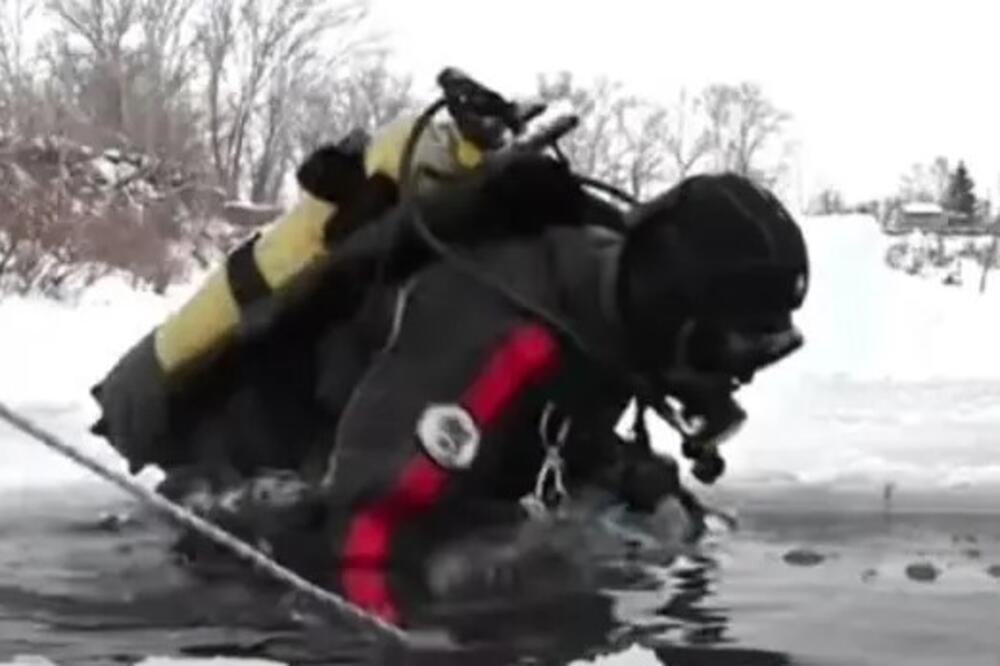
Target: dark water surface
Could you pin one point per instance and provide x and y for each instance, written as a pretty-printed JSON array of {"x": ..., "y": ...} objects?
[{"x": 787, "y": 588}]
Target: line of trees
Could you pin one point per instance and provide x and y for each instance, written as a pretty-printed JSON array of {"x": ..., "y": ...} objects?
[
  {"x": 938, "y": 181},
  {"x": 208, "y": 102},
  {"x": 232, "y": 89},
  {"x": 641, "y": 145},
  {"x": 951, "y": 187}
]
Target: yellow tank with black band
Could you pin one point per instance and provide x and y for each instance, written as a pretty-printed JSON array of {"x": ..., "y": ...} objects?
[{"x": 210, "y": 319}]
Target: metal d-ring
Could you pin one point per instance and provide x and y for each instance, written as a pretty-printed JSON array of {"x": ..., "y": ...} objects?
[{"x": 553, "y": 465}]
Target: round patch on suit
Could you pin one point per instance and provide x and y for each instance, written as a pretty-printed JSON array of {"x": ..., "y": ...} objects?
[{"x": 449, "y": 436}]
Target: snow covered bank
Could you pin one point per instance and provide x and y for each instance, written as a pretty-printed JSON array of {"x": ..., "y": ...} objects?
[
  {"x": 899, "y": 380},
  {"x": 51, "y": 353},
  {"x": 865, "y": 321}
]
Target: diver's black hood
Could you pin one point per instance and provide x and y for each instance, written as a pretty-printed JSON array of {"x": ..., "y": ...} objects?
[
  {"x": 714, "y": 248},
  {"x": 709, "y": 276}
]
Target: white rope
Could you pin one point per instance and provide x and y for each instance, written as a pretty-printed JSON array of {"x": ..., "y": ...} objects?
[{"x": 192, "y": 521}]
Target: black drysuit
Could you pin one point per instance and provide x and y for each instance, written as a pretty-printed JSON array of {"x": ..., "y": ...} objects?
[
  {"x": 458, "y": 343},
  {"x": 358, "y": 394}
]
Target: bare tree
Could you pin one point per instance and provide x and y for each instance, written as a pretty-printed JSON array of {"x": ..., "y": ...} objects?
[
  {"x": 636, "y": 144},
  {"x": 940, "y": 178},
  {"x": 926, "y": 182},
  {"x": 915, "y": 185},
  {"x": 688, "y": 138},
  {"x": 743, "y": 124},
  {"x": 621, "y": 140},
  {"x": 17, "y": 85},
  {"x": 254, "y": 52},
  {"x": 94, "y": 34},
  {"x": 719, "y": 102},
  {"x": 640, "y": 148},
  {"x": 589, "y": 147},
  {"x": 161, "y": 118},
  {"x": 312, "y": 102},
  {"x": 176, "y": 87},
  {"x": 362, "y": 93},
  {"x": 269, "y": 160}
]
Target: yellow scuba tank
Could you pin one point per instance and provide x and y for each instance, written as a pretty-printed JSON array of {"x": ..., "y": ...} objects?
[
  {"x": 212, "y": 315},
  {"x": 266, "y": 264},
  {"x": 148, "y": 403},
  {"x": 337, "y": 185}
]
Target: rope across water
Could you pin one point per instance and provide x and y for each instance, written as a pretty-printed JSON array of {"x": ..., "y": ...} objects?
[{"x": 192, "y": 521}]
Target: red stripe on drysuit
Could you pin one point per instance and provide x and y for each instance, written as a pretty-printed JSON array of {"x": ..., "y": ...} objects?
[
  {"x": 369, "y": 537},
  {"x": 527, "y": 356}
]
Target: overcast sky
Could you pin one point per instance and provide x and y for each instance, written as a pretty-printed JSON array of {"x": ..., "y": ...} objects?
[{"x": 873, "y": 85}]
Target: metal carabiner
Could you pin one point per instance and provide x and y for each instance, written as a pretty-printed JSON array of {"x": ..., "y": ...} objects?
[
  {"x": 552, "y": 467},
  {"x": 550, "y": 475},
  {"x": 543, "y": 428}
]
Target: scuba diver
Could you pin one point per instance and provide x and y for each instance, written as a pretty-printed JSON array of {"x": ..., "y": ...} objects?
[{"x": 455, "y": 349}]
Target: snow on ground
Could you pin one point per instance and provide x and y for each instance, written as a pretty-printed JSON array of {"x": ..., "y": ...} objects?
[
  {"x": 898, "y": 380},
  {"x": 51, "y": 354},
  {"x": 865, "y": 321}
]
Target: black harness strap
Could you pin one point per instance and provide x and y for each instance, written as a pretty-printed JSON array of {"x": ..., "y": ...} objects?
[{"x": 246, "y": 282}]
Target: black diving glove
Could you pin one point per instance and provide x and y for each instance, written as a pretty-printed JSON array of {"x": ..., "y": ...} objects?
[{"x": 518, "y": 193}]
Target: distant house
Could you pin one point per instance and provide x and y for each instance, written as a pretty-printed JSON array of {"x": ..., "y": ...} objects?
[{"x": 929, "y": 217}]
